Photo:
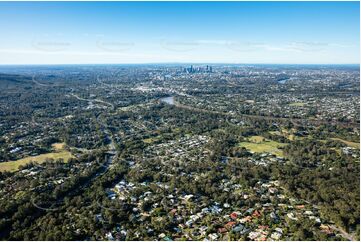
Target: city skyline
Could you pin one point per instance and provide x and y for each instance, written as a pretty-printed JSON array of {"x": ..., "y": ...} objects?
[{"x": 180, "y": 32}]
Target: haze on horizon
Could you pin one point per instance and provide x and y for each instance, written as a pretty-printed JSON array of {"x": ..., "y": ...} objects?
[{"x": 197, "y": 32}]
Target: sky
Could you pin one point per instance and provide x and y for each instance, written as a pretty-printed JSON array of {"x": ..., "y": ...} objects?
[{"x": 179, "y": 32}]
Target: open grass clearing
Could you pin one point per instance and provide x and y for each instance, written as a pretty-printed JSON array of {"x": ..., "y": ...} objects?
[
  {"x": 148, "y": 141},
  {"x": 259, "y": 144},
  {"x": 58, "y": 146},
  {"x": 297, "y": 104},
  {"x": 257, "y": 139},
  {"x": 59, "y": 153}
]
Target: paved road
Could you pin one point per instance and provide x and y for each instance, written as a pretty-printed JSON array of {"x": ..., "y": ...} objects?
[
  {"x": 92, "y": 100},
  {"x": 38, "y": 83},
  {"x": 343, "y": 233}
]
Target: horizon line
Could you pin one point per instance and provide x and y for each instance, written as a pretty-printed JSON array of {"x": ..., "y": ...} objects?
[{"x": 169, "y": 63}]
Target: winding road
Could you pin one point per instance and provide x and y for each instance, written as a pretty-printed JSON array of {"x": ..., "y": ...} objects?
[{"x": 93, "y": 100}]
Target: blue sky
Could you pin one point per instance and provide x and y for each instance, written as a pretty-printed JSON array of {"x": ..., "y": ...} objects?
[{"x": 154, "y": 32}]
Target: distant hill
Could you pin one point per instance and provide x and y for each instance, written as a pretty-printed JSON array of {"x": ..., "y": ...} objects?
[{"x": 8, "y": 80}]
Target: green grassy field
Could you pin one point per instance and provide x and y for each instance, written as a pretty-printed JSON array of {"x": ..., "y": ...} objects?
[
  {"x": 58, "y": 146},
  {"x": 148, "y": 141},
  {"x": 296, "y": 104},
  {"x": 59, "y": 153},
  {"x": 259, "y": 144},
  {"x": 152, "y": 139},
  {"x": 256, "y": 139}
]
